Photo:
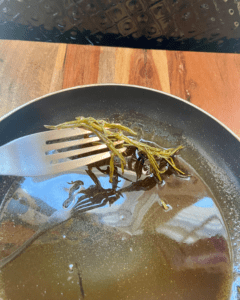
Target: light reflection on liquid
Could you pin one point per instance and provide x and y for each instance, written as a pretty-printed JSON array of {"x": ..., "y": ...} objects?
[{"x": 129, "y": 250}]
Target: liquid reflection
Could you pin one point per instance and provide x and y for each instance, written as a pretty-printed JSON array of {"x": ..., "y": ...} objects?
[
  {"x": 129, "y": 248},
  {"x": 198, "y": 221}
]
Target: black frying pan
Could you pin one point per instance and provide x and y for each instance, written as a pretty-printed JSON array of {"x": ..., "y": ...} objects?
[{"x": 210, "y": 147}]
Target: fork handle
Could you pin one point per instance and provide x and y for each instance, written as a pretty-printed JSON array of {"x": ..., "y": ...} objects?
[
  {"x": 6, "y": 160},
  {"x": 15, "y": 159}
]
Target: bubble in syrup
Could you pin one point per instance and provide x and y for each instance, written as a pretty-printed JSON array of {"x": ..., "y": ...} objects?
[{"x": 70, "y": 268}]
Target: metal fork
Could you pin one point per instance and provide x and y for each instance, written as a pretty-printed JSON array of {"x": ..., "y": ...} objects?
[{"x": 35, "y": 154}]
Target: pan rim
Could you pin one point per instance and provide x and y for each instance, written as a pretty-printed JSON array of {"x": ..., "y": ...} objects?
[
  {"x": 121, "y": 85},
  {"x": 236, "y": 278}
]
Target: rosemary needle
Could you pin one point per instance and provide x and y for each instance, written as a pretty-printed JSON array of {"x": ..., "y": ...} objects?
[{"x": 110, "y": 132}]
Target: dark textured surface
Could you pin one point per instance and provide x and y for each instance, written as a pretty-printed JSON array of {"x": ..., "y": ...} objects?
[{"x": 210, "y": 25}]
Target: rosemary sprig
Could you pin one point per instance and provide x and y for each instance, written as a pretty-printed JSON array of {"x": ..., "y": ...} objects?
[{"x": 110, "y": 132}]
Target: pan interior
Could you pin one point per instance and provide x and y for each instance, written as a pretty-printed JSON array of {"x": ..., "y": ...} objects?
[
  {"x": 221, "y": 182},
  {"x": 130, "y": 248}
]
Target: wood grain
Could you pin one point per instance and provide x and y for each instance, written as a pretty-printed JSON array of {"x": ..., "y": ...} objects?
[
  {"x": 211, "y": 81},
  {"x": 158, "y": 74},
  {"x": 26, "y": 72},
  {"x": 135, "y": 66},
  {"x": 81, "y": 65},
  {"x": 58, "y": 71},
  {"x": 107, "y": 59},
  {"x": 130, "y": 66}
]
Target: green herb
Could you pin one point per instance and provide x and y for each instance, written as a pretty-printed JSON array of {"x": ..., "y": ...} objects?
[{"x": 111, "y": 132}]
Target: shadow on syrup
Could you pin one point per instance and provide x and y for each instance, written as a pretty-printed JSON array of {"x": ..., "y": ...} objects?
[{"x": 133, "y": 249}]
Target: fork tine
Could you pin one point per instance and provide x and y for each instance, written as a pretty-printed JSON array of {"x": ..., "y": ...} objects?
[
  {"x": 71, "y": 153},
  {"x": 52, "y": 135},
  {"x": 67, "y": 144},
  {"x": 89, "y": 205},
  {"x": 68, "y": 165}
]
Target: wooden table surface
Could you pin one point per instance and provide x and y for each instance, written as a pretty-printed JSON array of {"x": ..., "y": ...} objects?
[{"x": 32, "y": 69}]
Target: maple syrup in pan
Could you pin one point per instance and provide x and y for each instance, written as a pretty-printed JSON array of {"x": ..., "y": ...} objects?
[{"x": 133, "y": 249}]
